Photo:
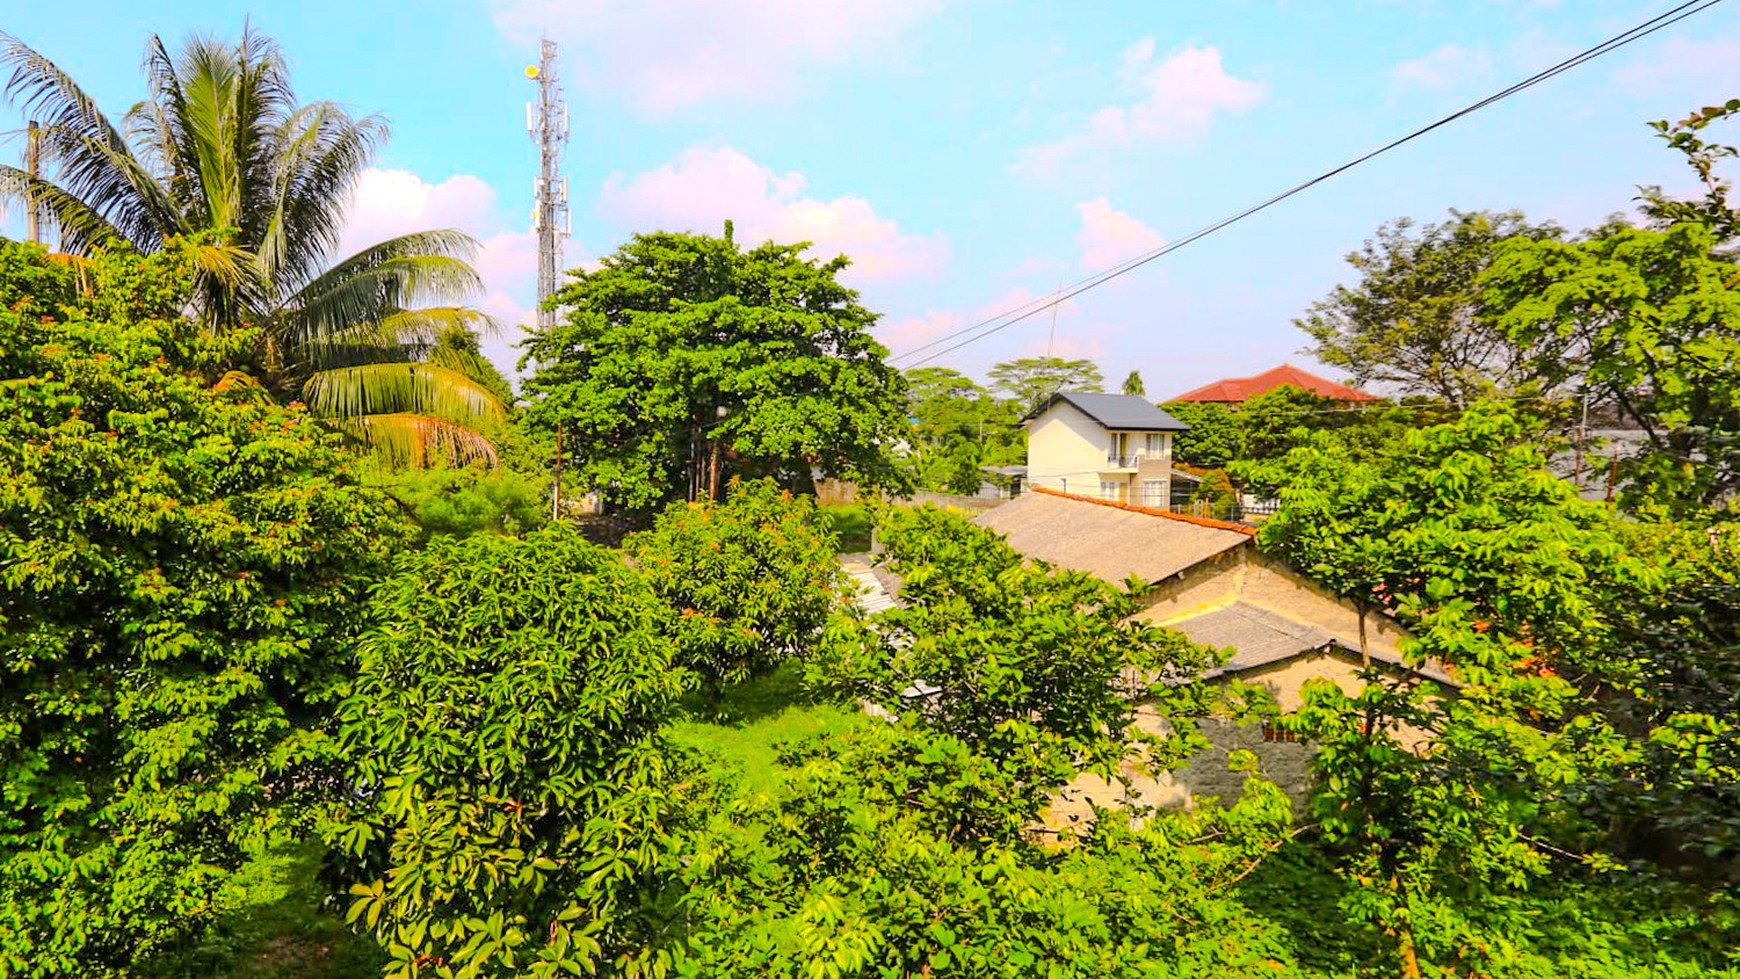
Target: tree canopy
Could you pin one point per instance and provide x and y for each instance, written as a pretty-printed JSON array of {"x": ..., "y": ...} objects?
[
  {"x": 180, "y": 563},
  {"x": 221, "y": 144},
  {"x": 685, "y": 352},
  {"x": 1030, "y": 380},
  {"x": 1642, "y": 321},
  {"x": 1413, "y": 320}
]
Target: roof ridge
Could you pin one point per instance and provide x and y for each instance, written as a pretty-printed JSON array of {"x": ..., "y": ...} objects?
[{"x": 1152, "y": 512}]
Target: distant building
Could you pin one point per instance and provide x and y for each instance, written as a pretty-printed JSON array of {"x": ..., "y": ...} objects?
[
  {"x": 1238, "y": 390},
  {"x": 1112, "y": 446}
]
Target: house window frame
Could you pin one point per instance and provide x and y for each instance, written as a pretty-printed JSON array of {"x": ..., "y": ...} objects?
[
  {"x": 1156, "y": 493},
  {"x": 1115, "y": 490}
]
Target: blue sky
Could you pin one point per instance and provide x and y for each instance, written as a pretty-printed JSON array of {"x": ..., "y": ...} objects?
[{"x": 969, "y": 155}]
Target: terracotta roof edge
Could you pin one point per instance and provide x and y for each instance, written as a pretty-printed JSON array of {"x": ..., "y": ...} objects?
[{"x": 1152, "y": 511}]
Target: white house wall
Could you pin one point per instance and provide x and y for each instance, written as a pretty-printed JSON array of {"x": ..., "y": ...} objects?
[{"x": 1065, "y": 446}]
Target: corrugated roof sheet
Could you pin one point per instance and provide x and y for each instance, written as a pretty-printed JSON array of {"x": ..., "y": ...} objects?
[
  {"x": 1125, "y": 412},
  {"x": 1109, "y": 542},
  {"x": 1236, "y": 390}
]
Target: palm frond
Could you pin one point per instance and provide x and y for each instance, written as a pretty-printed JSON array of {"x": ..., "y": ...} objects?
[
  {"x": 320, "y": 153},
  {"x": 82, "y": 230},
  {"x": 243, "y": 386},
  {"x": 409, "y": 334},
  {"x": 433, "y": 322},
  {"x": 92, "y": 161},
  {"x": 419, "y": 440},
  {"x": 417, "y": 388},
  {"x": 372, "y": 287}
]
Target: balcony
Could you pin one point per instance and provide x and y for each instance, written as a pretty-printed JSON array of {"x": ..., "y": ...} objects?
[{"x": 1129, "y": 460}]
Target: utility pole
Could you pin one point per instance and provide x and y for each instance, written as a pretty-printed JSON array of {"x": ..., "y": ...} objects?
[
  {"x": 32, "y": 166},
  {"x": 547, "y": 121}
]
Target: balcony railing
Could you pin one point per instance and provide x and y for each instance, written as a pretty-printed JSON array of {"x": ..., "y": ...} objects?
[{"x": 1128, "y": 460}]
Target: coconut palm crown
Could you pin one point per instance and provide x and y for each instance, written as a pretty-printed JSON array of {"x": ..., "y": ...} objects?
[{"x": 221, "y": 143}]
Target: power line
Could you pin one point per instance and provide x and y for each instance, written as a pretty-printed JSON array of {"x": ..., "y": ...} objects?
[{"x": 1008, "y": 318}]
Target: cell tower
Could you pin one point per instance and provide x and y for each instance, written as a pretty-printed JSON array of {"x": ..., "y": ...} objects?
[{"x": 547, "y": 121}]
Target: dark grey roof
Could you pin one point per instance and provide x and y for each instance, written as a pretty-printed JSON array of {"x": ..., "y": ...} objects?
[
  {"x": 1119, "y": 412},
  {"x": 1260, "y": 637}
]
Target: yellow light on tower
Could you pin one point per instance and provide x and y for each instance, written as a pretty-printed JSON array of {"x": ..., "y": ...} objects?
[{"x": 531, "y": 71}]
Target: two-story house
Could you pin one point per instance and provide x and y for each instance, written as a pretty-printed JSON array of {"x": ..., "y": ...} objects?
[{"x": 1110, "y": 446}]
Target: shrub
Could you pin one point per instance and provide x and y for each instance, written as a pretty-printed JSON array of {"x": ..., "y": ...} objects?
[
  {"x": 180, "y": 564},
  {"x": 752, "y": 580},
  {"x": 504, "y": 723},
  {"x": 468, "y": 499}
]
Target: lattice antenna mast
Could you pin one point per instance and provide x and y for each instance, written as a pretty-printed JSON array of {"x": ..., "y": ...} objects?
[{"x": 547, "y": 121}]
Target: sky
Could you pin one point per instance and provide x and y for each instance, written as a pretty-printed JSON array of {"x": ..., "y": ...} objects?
[{"x": 970, "y": 155}]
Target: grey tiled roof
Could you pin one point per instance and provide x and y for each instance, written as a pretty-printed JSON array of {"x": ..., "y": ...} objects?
[
  {"x": 1260, "y": 637},
  {"x": 1125, "y": 412}
]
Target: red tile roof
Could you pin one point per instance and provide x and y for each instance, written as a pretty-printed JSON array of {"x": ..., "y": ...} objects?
[{"x": 1237, "y": 390}]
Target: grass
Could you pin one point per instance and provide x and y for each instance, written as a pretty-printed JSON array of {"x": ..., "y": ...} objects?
[
  {"x": 741, "y": 729},
  {"x": 273, "y": 926},
  {"x": 851, "y": 522}
]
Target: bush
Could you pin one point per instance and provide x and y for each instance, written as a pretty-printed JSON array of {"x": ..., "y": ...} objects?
[
  {"x": 180, "y": 564},
  {"x": 468, "y": 499},
  {"x": 752, "y": 580},
  {"x": 504, "y": 723}
]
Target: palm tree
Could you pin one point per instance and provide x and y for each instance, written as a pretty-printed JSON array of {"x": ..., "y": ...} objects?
[{"x": 221, "y": 144}]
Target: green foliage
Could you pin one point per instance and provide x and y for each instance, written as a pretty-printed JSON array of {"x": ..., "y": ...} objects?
[
  {"x": 958, "y": 427},
  {"x": 850, "y": 869},
  {"x": 1414, "y": 319},
  {"x": 1214, "y": 438},
  {"x": 1644, "y": 320},
  {"x": 1702, "y": 156},
  {"x": 1133, "y": 384},
  {"x": 512, "y": 783},
  {"x": 180, "y": 563},
  {"x": 850, "y": 524},
  {"x": 1016, "y": 670},
  {"x": 271, "y": 923},
  {"x": 751, "y": 581},
  {"x": 221, "y": 147},
  {"x": 1509, "y": 582},
  {"x": 467, "y": 499},
  {"x": 674, "y": 328},
  {"x": 1030, "y": 380},
  {"x": 1275, "y": 421}
]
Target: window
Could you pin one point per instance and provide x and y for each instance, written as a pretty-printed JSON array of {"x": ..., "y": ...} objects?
[
  {"x": 1154, "y": 493},
  {"x": 1156, "y": 447},
  {"x": 1114, "y": 489}
]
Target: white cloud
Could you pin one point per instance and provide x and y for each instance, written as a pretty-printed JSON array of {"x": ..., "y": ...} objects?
[
  {"x": 1109, "y": 236},
  {"x": 903, "y": 335},
  {"x": 1179, "y": 98},
  {"x": 388, "y": 203},
  {"x": 705, "y": 186},
  {"x": 669, "y": 54},
  {"x": 1711, "y": 62},
  {"x": 1444, "y": 68}
]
